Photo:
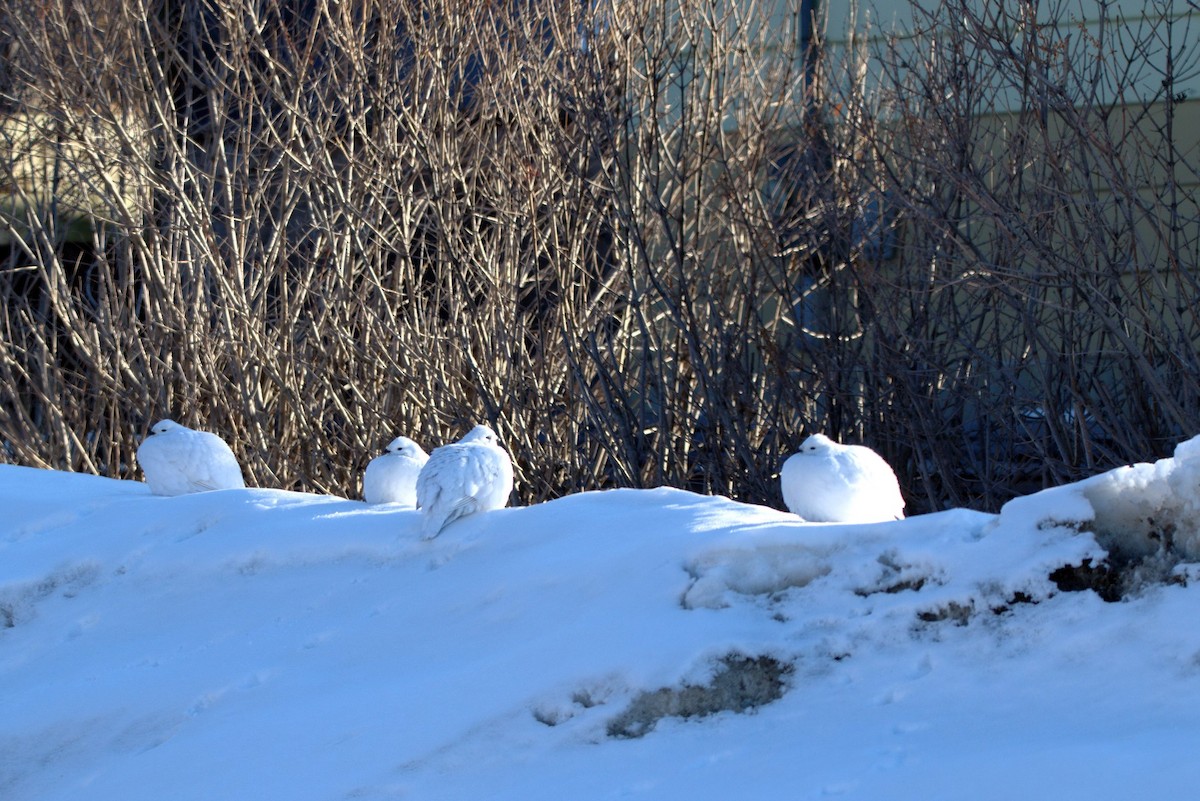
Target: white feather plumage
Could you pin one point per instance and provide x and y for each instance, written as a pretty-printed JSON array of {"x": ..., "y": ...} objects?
[
  {"x": 833, "y": 483},
  {"x": 178, "y": 460},
  {"x": 463, "y": 478},
  {"x": 391, "y": 477}
]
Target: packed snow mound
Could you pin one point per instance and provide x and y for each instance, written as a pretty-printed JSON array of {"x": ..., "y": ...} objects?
[
  {"x": 1142, "y": 511},
  {"x": 628, "y": 642},
  {"x": 950, "y": 555}
]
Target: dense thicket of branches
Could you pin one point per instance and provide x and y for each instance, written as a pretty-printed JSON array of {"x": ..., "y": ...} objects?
[
  {"x": 651, "y": 243},
  {"x": 1038, "y": 324}
]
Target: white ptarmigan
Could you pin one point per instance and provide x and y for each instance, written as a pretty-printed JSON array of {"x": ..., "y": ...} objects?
[
  {"x": 178, "y": 460},
  {"x": 832, "y": 483},
  {"x": 391, "y": 477},
  {"x": 472, "y": 475}
]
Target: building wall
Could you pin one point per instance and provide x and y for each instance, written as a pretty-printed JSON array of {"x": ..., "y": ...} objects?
[{"x": 1177, "y": 27}]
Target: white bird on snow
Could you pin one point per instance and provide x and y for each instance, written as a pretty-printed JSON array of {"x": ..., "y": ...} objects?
[
  {"x": 472, "y": 475},
  {"x": 391, "y": 477},
  {"x": 178, "y": 460},
  {"x": 829, "y": 482}
]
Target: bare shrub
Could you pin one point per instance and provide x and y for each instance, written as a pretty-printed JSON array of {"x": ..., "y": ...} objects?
[
  {"x": 358, "y": 219},
  {"x": 650, "y": 243},
  {"x": 1036, "y": 323}
]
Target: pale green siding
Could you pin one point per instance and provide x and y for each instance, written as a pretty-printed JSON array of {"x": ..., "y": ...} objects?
[{"x": 1167, "y": 30}]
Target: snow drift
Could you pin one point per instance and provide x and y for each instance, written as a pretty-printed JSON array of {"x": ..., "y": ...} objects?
[{"x": 268, "y": 644}]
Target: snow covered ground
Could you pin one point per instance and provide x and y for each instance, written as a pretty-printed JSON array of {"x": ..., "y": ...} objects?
[{"x": 261, "y": 644}]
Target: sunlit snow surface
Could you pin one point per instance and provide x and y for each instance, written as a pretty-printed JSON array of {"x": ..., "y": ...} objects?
[{"x": 260, "y": 644}]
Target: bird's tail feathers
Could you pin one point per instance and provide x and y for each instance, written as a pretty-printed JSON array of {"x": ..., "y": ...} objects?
[{"x": 434, "y": 524}]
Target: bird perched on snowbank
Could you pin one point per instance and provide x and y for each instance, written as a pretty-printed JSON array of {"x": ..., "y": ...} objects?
[
  {"x": 829, "y": 482},
  {"x": 472, "y": 475},
  {"x": 177, "y": 460},
  {"x": 392, "y": 476}
]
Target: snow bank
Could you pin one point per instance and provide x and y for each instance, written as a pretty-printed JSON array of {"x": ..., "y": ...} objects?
[
  {"x": 1146, "y": 517},
  {"x": 624, "y": 643}
]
